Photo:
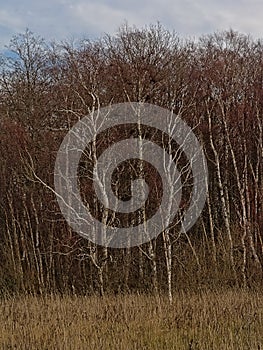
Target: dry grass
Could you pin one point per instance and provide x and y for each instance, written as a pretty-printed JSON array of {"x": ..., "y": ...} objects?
[{"x": 204, "y": 320}]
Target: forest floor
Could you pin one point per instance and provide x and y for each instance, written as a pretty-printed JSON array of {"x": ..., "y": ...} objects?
[{"x": 231, "y": 319}]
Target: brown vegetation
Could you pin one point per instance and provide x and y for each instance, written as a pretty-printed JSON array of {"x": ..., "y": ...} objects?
[
  {"x": 208, "y": 320},
  {"x": 215, "y": 85}
]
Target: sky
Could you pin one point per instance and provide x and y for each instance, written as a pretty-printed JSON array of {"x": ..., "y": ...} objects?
[{"x": 68, "y": 19}]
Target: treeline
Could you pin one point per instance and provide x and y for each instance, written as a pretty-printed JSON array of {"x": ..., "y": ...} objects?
[{"x": 215, "y": 84}]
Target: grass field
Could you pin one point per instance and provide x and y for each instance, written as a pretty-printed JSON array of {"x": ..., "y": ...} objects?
[{"x": 203, "y": 320}]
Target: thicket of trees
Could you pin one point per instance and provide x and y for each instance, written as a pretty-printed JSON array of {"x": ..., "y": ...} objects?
[{"x": 215, "y": 84}]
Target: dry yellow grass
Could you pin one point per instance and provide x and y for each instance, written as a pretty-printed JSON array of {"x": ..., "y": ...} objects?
[{"x": 203, "y": 320}]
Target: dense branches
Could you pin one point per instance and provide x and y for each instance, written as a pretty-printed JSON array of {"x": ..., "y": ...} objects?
[{"x": 215, "y": 85}]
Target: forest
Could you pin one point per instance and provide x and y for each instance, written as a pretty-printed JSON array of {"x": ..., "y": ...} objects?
[{"x": 213, "y": 83}]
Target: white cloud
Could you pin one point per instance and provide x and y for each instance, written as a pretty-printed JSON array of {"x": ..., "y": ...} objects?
[
  {"x": 100, "y": 17},
  {"x": 58, "y": 19},
  {"x": 9, "y": 20}
]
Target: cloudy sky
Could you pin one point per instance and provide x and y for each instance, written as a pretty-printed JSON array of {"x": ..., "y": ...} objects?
[{"x": 65, "y": 19}]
